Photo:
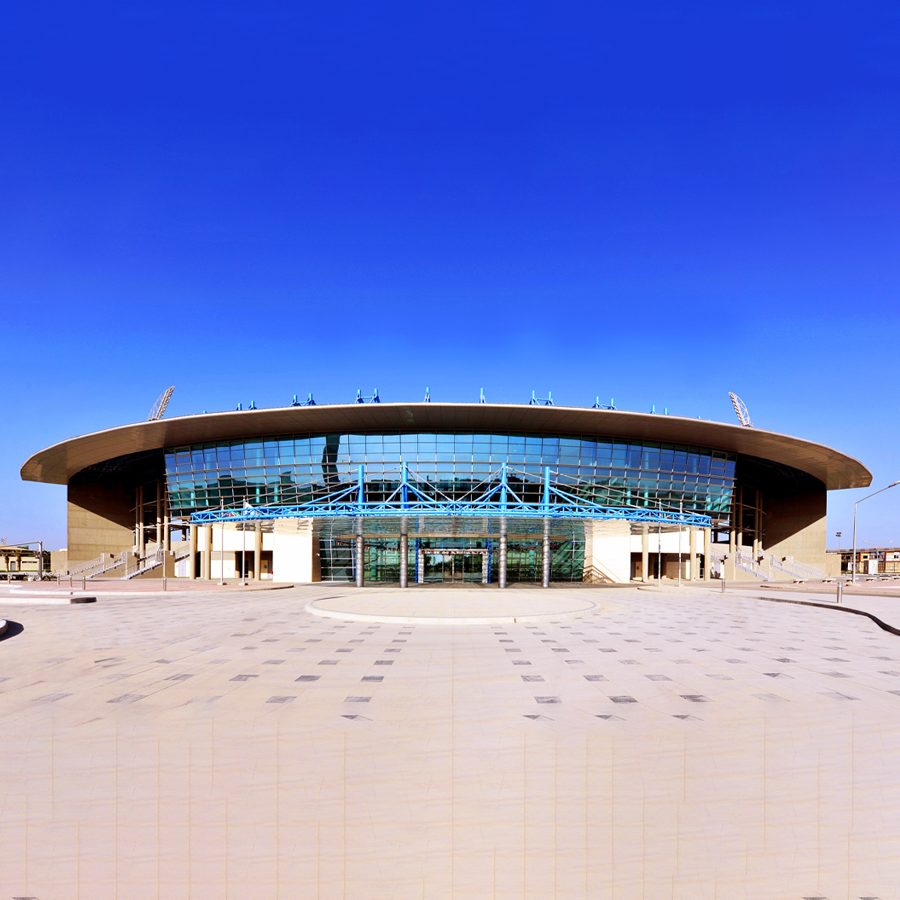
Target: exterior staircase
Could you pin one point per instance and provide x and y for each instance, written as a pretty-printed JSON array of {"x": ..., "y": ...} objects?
[
  {"x": 99, "y": 566},
  {"x": 153, "y": 561}
]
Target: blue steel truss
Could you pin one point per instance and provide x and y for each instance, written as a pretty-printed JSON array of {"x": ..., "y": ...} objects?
[{"x": 407, "y": 500}]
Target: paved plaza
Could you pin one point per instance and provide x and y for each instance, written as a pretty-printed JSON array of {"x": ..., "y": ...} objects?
[{"x": 631, "y": 744}]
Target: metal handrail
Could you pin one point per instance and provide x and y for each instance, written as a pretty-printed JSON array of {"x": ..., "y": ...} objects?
[
  {"x": 799, "y": 569},
  {"x": 748, "y": 564},
  {"x": 98, "y": 566},
  {"x": 151, "y": 561}
]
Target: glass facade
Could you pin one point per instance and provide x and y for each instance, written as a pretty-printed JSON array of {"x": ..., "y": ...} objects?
[
  {"x": 286, "y": 470},
  {"x": 452, "y": 550},
  {"x": 291, "y": 469}
]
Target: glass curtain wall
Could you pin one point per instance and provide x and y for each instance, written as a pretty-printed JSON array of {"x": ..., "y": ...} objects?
[
  {"x": 430, "y": 562},
  {"x": 292, "y": 469}
]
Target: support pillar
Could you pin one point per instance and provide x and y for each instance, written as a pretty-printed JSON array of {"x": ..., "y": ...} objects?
[
  {"x": 707, "y": 559},
  {"x": 645, "y": 553},
  {"x": 257, "y": 551},
  {"x": 692, "y": 552},
  {"x": 192, "y": 556},
  {"x": 502, "y": 561},
  {"x": 757, "y": 526},
  {"x": 159, "y": 514},
  {"x": 206, "y": 551},
  {"x": 404, "y": 553},
  {"x": 501, "y": 579},
  {"x": 360, "y": 555},
  {"x": 140, "y": 529},
  {"x": 545, "y": 561}
]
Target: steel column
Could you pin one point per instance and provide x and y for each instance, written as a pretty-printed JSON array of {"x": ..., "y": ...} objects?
[
  {"x": 404, "y": 527},
  {"x": 502, "y": 560},
  {"x": 360, "y": 549},
  {"x": 159, "y": 515},
  {"x": 490, "y": 544},
  {"x": 140, "y": 530},
  {"x": 545, "y": 568},
  {"x": 360, "y": 555},
  {"x": 360, "y": 560},
  {"x": 503, "y": 548},
  {"x": 404, "y": 558}
]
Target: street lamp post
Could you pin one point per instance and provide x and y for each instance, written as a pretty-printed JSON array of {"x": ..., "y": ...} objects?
[{"x": 853, "y": 576}]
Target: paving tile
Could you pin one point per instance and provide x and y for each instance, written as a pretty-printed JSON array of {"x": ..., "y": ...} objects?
[{"x": 329, "y": 793}]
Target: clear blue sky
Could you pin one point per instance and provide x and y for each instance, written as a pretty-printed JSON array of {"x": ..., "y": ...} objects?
[{"x": 657, "y": 202}]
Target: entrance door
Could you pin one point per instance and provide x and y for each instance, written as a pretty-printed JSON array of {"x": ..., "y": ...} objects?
[{"x": 454, "y": 566}]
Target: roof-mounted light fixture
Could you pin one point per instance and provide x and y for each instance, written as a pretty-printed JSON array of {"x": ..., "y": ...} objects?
[
  {"x": 160, "y": 406},
  {"x": 740, "y": 409}
]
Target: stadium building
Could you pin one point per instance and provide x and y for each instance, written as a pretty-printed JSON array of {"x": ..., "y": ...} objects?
[{"x": 373, "y": 492}]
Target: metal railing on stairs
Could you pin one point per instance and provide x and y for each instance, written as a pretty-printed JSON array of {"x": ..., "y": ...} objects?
[
  {"x": 153, "y": 561},
  {"x": 146, "y": 564},
  {"x": 98, "y": 566},
  {"x": 716, "y": 562},
  {"x": 749, "y": 564},
  {"x": 797, "y": 569}
]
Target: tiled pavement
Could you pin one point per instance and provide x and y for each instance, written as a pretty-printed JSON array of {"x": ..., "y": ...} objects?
[{"x": 686, "y": 745}]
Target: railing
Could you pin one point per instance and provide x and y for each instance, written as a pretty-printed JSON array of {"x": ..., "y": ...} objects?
[
  {"x": 153, "y": 561},
  {"x": 98, "y": 566},
  {"x": 716, "y": 562},
  {"x": 797, "y": 569},
  {"x": 748, "y": 564}
]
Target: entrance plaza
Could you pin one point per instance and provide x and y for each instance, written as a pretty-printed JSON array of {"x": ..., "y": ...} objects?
[{"x": 331, "y": 742}]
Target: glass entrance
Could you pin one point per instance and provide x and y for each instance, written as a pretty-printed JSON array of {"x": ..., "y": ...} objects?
[
  {"x": 441, "y": 552},
  {"x": 449, "y": 565}
]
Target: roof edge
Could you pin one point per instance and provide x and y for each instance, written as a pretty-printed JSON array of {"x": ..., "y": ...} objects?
[{"x": 57, "y": 463}]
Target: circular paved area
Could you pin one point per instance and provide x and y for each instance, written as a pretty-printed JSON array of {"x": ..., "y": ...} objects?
[
  {"x": 421, "y": 606},
  {"x": 684, "y": 745}
]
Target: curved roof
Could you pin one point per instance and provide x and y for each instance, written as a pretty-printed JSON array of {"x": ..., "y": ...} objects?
[{"x": 57, "y": 464}]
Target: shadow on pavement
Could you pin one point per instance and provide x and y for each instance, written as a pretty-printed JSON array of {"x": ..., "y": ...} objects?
[{"x": 12, "y": 629}]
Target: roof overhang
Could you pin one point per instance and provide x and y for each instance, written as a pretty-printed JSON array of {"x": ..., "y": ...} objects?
[{"x": 57, "y": 464}]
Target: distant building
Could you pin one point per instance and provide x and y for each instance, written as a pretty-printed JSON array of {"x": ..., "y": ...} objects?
[
  {"x": 21, "y": 562},
  {"x": 871, "y": 561}
]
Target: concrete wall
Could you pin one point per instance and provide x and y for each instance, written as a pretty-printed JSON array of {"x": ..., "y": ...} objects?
[
  {"x": 296, "y": 551},
  {"x": 101, "y": 520},
  {"x": 669, "y": 542},
  {"x": 607, "y": 551},
  {"x": 59, "y": 561},
  {"x": 795, "y": 526}
]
